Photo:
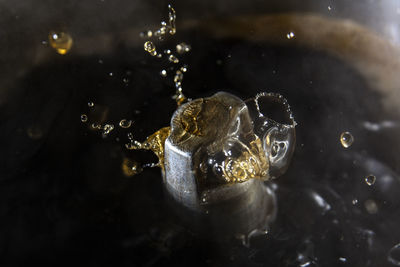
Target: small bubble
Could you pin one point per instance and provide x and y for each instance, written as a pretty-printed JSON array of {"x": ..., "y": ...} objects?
[
  {"x": 329, "y": 8},
  {"x": 203, "y": 167},
  {"x": 370, "y": 206},
  {"x": 173, "y": 59},
  {"x": 342, "y": 259},
  {"x": 394, "y": 255},
  {"x": 130, "y": 136},
  {"x": 125, "y": 123},
  {"x": 100, "y": 61},
  {"x": 163, "y": 73},
  {"x": 354, "y": 201},
  {"x": 346, "y": 139},
  {"x": 125, "y": 80},
  {"x": 184, "y": 68},
  {"x": 370, "y": 179},
  {"x": 150, "y": 47},
  {"x": 182, "y": 48},
  {"x": 90, "y": 104},
  {"x": 290, "y": 35},
  {"x": 60, "y": 41},
  {"x": 84, "y": 118},
  {"x": 44, "y": 42},
  {"x": 111, "y": 74},
  {"x": 178, "y": 76}
]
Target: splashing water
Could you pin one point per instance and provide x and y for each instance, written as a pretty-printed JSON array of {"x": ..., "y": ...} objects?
[
  {"x": 154, "y": 142},
  {"x": 181, "y": 48}
]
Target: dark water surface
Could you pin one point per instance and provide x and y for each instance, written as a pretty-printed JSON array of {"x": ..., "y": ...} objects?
[{"x": 64, "y": 199}]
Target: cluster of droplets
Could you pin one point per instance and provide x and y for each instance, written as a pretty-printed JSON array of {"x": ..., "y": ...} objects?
[
  {"x": 106, "y": 128},
  {"x": 173, "y": 58},
  {"x": 154, "y": 142},
  {"x": 346, "y": 140},
  {"x": 161, "y": 33}
]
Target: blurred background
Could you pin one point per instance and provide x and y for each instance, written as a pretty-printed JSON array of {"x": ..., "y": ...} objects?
[{"x": 65, "y": 197}]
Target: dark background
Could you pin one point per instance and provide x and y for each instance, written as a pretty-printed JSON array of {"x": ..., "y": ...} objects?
[{"x": 64, "y": 199}]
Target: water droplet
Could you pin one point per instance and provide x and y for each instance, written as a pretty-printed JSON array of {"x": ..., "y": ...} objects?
[
  {"x": 370, "y": 179},
  {"x": 107, "y": 129},
  {"x": 203, "y": 167},
  {"x": 182, "y": 48},
  {"x": 130, "y": 167},
  {"x": 290, "y": 35},
  {"x": 96, "y": 126},
  {"x": 370, "y": 206},
  {"x": 346, "y": 139},
  {"x": 178, "y": 76},
  {"x": 394, "y": 255},
  {"x": 173, "y": 59},
  {"x": 163, "y": 73},
  {"x": 150, "y": 47},
  {"x": 60, "y": 41},
  {"x": 90, "y": 104},
  {"x": 125, "y": 123},
  {"x": 84, "y": 118}
]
